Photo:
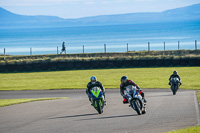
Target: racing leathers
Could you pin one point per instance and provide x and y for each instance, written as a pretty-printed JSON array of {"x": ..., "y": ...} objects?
[
  {"x": 123, "y": 87},
  {"x": 174, "y": 76},
  {"x": 90, "y": 85}
]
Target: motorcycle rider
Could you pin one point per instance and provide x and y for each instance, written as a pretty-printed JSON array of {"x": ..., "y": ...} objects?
[
  {"x": 174, "y": 75},
  {"x": 124, "y": 83},
  {"x": 94, "y": 83}
]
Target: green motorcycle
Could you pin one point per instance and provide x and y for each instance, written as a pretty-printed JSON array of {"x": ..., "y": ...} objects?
[{"x": 97, "y": 99}]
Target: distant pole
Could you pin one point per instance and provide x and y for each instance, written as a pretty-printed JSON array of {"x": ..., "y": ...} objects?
[
  {"x": 178, "y": 45},
  {"x": 4, "y": 54},
  {"x": 83, "y": 49},
  {"x": 30, "y": 51},
  {"x": 195, "y": 44},
  {"x": 148, "y": 46},
  {"x": 57, "y": 50},
  {"x": 127, "y": 47},
  {"x": 105, "y": 48},
  {"x": 164, "y": 46}
]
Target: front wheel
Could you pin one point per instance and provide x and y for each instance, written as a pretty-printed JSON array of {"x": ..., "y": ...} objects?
[
  {"x": 137, "y": 106},
  {"x": 173, "y": 89},
  {"x": 99, "y": 109}
]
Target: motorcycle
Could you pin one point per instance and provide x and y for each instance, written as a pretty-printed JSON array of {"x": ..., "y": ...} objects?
[
  {"x": 135, "y": 100},
  {"x": 97, "y": 99},
  {"x": 174, "y": 85}
]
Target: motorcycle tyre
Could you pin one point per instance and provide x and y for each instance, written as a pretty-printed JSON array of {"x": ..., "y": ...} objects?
[
  {"x": 137, "y": 108},
  {"x": 173, "y": 90},
  {"x": 99, "y": 110}
]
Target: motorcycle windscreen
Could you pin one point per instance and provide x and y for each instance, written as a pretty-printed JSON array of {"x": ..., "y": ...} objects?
[
  {"x": 131, "y": 89},
  {"x": 95, "y": 92},
  {"x": 175, "y": 79}
]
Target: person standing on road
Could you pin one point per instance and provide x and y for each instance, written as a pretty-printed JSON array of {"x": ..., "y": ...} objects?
[{"x": 124, "y": 83}]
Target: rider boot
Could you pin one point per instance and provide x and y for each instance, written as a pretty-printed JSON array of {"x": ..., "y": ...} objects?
[
  {"x": 125, "y": 101},
  {"x": 104, "y": 99},
  {"x": 142, "y": 94},
  {"x": 90, "y": 99},
  {"x": 144, "y": 100}
]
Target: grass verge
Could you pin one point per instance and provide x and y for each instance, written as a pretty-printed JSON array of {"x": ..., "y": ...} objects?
[
  {"x": 7, "y": 102},
  {"x": 198, "y": 96},
  {"x": 110, "y": 78},
  {"x": 195, "y": 129}
]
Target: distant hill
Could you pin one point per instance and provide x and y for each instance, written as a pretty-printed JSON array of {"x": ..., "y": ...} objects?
[{"x": 11, "y": 20}]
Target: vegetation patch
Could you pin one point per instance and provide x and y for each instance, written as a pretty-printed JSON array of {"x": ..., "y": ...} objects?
[
  {"x": 198, "y": 96},
  {"x": 7, "y": 102},
  {"x": 131, "y": 59},
  {"x": 10, "y": 59},
  {"x": 110, "y": 78},
  {"x": 195, "y": 129}
]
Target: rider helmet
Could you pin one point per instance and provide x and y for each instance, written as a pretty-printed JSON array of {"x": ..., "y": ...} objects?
[
  {"x": 175, "y": 72},
  {"x": 124, "y": 79},
  {"x": 93, "y": 79}
]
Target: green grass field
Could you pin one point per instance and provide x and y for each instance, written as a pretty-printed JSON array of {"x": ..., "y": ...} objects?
[{"x": 144, "y": 77}]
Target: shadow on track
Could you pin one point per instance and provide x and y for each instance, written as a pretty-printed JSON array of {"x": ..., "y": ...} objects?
[
  {"x": 74, "y": 116},
  {"x": 111, "y": 117}
]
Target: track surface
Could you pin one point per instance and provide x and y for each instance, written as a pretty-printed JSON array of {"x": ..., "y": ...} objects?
[{"x": 165, "y": 112}]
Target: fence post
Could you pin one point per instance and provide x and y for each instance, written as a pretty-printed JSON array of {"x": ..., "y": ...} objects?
[
  {"x": 164, "y": 46},
  {"x": 105, "y": 48},
  {"x": 83, "y": 49},
  {"x": 148, "y": 46},
  {"x": 178, "y": 45},
  {"x": 4, "y": 54},
  {"x": 57, "y": 50},
  {"x": 30, "y": 51},
  {"x": 127, "y": 47},
  {"x": 195, "y": 44}
]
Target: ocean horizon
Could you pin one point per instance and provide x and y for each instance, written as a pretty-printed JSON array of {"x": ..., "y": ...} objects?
[{"x": 93, "y": 38}]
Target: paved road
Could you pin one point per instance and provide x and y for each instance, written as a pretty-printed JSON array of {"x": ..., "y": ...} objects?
[{"x": 165, "y": 112}]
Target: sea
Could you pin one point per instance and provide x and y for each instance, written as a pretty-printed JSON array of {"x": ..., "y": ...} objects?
[{"x": 100, "y": 39}]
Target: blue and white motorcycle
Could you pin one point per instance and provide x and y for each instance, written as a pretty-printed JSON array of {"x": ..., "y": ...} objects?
[
  {"x": 174, "y": 83},
  {"x": 135, "y": 100}
]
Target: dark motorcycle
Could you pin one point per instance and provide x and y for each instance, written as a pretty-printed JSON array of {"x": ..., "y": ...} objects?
[
  {"x": 174, "y": 83},
  {"x": 135, "y": 100}
]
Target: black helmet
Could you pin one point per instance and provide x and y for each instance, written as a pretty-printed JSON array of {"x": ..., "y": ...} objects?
[
  {"x": 175, "y": 72},
  {"x": 93, "y": 79},
  {"x": 124, "y": 79}
]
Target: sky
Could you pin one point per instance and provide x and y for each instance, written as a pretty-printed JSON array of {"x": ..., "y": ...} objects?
[{"x": 86, "y": 8}]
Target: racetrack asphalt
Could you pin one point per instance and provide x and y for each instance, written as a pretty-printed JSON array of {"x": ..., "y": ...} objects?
[{"x": 165, "y": 112}]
